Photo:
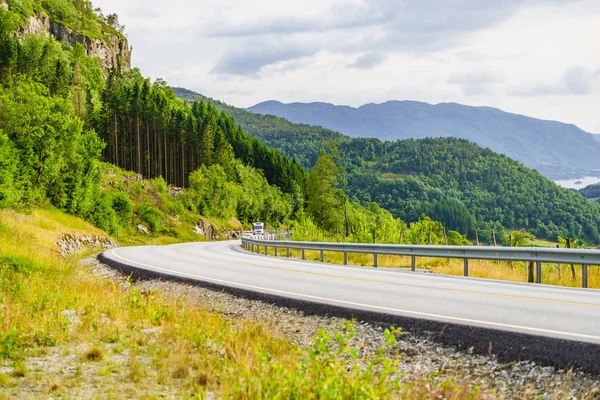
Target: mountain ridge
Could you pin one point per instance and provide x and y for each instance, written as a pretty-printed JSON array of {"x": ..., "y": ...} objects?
[{"x": 556, "y": 149}]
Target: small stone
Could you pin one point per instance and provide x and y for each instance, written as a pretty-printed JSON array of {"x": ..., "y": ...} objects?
[{"x": 142, "y": 228}]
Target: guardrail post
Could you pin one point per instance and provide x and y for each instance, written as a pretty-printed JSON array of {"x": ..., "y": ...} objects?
[
  {"x": 266, "y": 250},
  {"x": 538, "y": 272},
  {"x": 275, "y": 251},
  {"x": 466, "y": 269},
  {"x": 413, "y": 263},
  {"x": 287, "y": 253},
  {"x": 303, "y": 254},
  {"x": 322, "y": 256},
  {"x": 345, "y": 258},
  {"x": 375, "y": 260},
  {"x": 584, "y": 276}
]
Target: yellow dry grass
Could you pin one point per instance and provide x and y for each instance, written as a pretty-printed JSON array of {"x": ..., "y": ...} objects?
[
  {"x": 552, "y": 274},
  {"x": 67, "y": 333}
]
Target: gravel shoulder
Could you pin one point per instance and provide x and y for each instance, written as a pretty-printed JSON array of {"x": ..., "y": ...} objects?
[
  {"x": 421, "y": 357},
  {"x": 58, "y": 371}
]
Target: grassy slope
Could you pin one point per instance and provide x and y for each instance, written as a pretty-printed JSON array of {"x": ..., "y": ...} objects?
[
  {"x": 38, "y": 289},
  {"x": 65, "y": 331},
  {"x": 176, "y": 221}
]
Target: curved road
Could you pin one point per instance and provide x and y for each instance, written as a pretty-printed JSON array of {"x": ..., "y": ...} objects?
[{"x": 558, "y": 326}]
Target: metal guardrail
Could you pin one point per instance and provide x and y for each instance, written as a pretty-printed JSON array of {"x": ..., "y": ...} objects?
[{"x": 527, "y": 254}]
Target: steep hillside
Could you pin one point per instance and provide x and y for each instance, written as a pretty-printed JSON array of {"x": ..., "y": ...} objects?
[
  {"x": 555, "y": 149},
  {"x": 299, "y": 141},
  {"x": 465, "y": 187},
  {"x": 72, "y": 22}
]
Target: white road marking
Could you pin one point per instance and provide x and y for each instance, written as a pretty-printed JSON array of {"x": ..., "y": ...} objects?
[{"x": 362, "y": 305}]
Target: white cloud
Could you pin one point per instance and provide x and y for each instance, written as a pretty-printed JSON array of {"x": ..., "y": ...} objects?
[{"x": 480, "y": 52}]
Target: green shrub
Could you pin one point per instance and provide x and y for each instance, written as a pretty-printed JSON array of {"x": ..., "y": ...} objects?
[
  {"x": 122, "y": 207},
  {"x": 151, "y": 217},
  {"x": 102, "y": 214}
]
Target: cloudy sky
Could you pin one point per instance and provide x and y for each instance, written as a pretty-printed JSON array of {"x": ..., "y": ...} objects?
[{"x": 535, "y": 57}]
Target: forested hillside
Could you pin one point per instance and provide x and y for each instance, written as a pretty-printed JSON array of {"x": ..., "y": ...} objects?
[
  {"x": 555, "y": 149},
  {"x": 452, "y": 180},
  {"x": 463, "y": 185},
  {"x": 591, "y": 192},
  {"x": 299, "y": 141},
  {"x": 61, "y": 112}
]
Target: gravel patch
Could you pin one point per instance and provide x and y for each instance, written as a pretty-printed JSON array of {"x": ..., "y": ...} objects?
[{"x": 420, "y": 356}]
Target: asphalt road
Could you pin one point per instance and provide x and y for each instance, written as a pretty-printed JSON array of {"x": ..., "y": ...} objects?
[{"x": 558, "y": 326}]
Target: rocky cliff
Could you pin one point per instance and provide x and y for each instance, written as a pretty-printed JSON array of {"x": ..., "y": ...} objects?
[{"x": 113, "y": 51}]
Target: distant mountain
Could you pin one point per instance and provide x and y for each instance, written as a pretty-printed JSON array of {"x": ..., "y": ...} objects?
[
  {"x": 591, "y": 192},
  {"x": 555, "y": 149}
]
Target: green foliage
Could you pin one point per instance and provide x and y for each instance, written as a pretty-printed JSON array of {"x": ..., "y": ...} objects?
[
  {"x": 453, "y": 214},
  {"x": 492, "y": 187},
  {"x": 11, "y": 189},
  {"x": 78, "y": 15},
  {"x": 453, "y": 181},
  {"x": 299, "y": 141},
  {"x": 591, "y": 191},
  {"x": 519, "y": 238},
  {"x": 456, "y": 239},
  {"x": 122, "y": 207},
  {"x": 332, "y": 369},
  {"x": 151, "y": 217},
  {"x": 56, "y": 158},
  {"x": 102, "y": 214},
  {"x": 325, "y": 199},
  {"x": 53, "y": 100}
]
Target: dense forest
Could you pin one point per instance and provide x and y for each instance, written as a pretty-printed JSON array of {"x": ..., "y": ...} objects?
[
  {"x": 451, "y": 180},
  {"x": 148, "y": 130},
  {"x": 299, "y": 141},
  {"x": 591, "y": 192}
]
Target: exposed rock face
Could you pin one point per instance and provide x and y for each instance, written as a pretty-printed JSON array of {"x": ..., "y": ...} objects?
[
  {"x": 70, "y": 243},
  {"x": 113, "y": 52},
  {"x": 175, "y": 191},
  {"x": 211, "y": 232}
]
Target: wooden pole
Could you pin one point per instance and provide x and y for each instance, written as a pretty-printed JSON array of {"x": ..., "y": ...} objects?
[
  {"x": 476, "y": 238},
  {"x": 530, "y": 269},
  {"x": 445, "y": 237},
  {"x": 573, "y": 276},
  {"x": 494, "y": 237},
  {"x": 510, "y": 244},
  {"x": 430, "y": 236},
  {"x": 558, "y": 266}
]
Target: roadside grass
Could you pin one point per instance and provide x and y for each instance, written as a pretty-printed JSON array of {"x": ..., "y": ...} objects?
[
  {"x": 65, "y": 332},
  {"x": 552, "y": 274}
]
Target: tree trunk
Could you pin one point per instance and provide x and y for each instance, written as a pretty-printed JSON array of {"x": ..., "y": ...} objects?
[{"x": 530, "y": 269}]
